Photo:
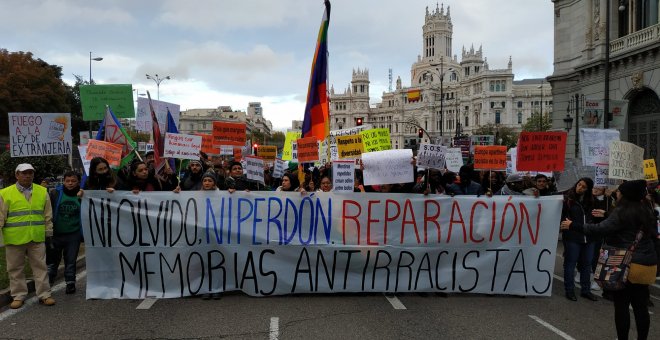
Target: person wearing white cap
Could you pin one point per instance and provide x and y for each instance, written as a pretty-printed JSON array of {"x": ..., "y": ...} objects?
[{"x": 26, "y": 220}]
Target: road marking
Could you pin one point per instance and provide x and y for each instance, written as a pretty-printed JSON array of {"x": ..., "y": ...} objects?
[
  {"x": 395, "y": 302},
  {"x": 551, "y": 327},
  {"x": 274, "y": 328},
  {"x": 35, "y": 300},
  {"x": 147, "y": 303}
]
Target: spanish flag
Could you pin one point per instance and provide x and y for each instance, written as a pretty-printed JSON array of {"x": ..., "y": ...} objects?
[
  {"x": 413, "y": 95},
  {"x": 317, "y": 111}
]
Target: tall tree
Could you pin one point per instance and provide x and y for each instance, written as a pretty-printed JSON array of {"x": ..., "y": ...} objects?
[
  {"x": 536, "y": 123},
  {"x": 29, "y": 85},
  {"x": 503, "y": 135}
]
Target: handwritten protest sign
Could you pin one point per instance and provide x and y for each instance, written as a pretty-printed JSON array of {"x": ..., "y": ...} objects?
[
  {"x": 541, "y": 151},
  {"x": 143, "y": 115},
  {"x": 308, "y": 149},
  {"x": 182, "y": 146},
  {"x": 602, "y": 177},
  {"x": 454, "y": 159},
  {"x": 332, "y": 138},
  {"x": 650, "y": 171},
  {"x": 110, "y": 151},
  {"x": 82, "y": 150},
  {"x": 595, "y": 145},
  {"x": 279, "y": 167},
  {"x": 290, "y": 138},
  {"x": 255, "y": 169},
  {"x": 626, "y": 161},
  {"x": 39, "y": 134},
  {"x": 267, "y": 152},
  {"x": 376, "y": 139},
  {"x": 511, "y": 157},
  {"x": 349, "y": 147},
  {"x": 387, "y": 167},
  {"x": 431, "y": 156},
  {"x": 225, "y": 133},
  {"x": 207, "y": 144},
  {"x": 343, "y": 176},
  {"x": 490, "y": 157},
  {"x": 94, "y": 98},
  {"x": 281, "y": 243}
]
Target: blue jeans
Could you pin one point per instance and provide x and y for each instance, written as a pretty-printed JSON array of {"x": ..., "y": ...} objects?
[
  {"x": 67, "y": 245},
  {"x": 580, "y": 254}
]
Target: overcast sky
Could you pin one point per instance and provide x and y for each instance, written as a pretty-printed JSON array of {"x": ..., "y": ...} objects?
[{"x": 228, "y": 52}]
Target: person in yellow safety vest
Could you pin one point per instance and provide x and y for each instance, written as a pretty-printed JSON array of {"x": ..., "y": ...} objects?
[{"x": 26, "y": 221}]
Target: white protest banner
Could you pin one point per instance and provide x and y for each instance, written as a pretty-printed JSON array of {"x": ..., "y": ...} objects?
[
  {"x": 626, "y": 161},
  {"x": 388, "y": 167},
  {"x": 595, "y": 145},
  {"x": 267, "y": 243},
  {"x": 431, "y": 156},
  {"x": 143, "y": 114},
  {"x": 279, "y": 167},
  {"x": 255, "y": 169},
  {"x": 82, "y": 150},
  {"x": 454, "y": 159},
  {"x": 178, "y": 145},
  {"x": 39, "y": 134},
  {"x": 226, "y": 150},
  {"x": 343, "y": 176}
]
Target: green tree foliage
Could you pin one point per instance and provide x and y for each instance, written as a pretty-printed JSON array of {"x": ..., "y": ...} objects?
[
  {"x": 277, "y": 138},
  {"x": 46, "y": 166},
  {"x": 537, "y": 123},
  {"x": 29, "y": 85},
  {"x": 508, "y": 135}
]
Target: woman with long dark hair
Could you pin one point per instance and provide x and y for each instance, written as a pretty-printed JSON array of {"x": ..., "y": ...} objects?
[
  {"x": 100, "y": 176},
  {"x": 578, "y": 247},
  {"x": 620, "y": 229},
  {"x": 289, "y": 183}
]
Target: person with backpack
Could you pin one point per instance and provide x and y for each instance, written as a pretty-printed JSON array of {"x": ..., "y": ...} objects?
[{"x": 67, "y": 235}]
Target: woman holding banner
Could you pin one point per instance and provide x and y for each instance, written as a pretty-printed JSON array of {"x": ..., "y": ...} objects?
[
  {"x": 578, "y": 247},
  {"x": 620, "y": 230},
  {"x": 100, "y": 176}
]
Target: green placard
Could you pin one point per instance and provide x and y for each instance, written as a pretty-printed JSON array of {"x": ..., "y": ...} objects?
[{"x": 94, "y": 98}]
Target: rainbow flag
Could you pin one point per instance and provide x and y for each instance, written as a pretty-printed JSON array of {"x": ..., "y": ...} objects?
[{"x": 317, "y": 111}]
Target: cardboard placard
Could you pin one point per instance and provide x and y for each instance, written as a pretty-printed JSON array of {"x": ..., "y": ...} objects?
[
  {"x": 39, "y": 134},
  {"x": 255, "y": 169},
  {"x": 431, "y": 156},
  {"x": 178, "y": 145},
  {"x": 387, "y": 167},
  {"x": 279, "y": 167},
  {"x": 454, "y": 159},
  {"x": 541, "y": 151},
  {"x": 595, "y": 145},
  {"x": 626, "y": 161},
  {"x": 343, "y": 176}
]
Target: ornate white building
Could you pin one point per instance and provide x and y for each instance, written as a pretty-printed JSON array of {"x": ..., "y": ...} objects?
[
  {"x": 446, "y": 95},
  {"x": 201, "y": 120},
  {"x": 582, "y": 64}
]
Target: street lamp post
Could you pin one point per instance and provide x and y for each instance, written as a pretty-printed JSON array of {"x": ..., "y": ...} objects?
[
  {"x": 158, "y": 80},
  {"x": 606, "y": 95},
  {"x": 441, "y": 72},
  {"x": 90, "y": 66},
  {"x": 541, "y": 110}
]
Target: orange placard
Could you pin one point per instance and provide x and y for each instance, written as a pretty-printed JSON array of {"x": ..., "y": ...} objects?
[
  {"x": 207, "y": 144},
  {"x": 238, "y": 154},
  {"x": 110, "y": 151},
  {"x": 490, "y": 157},
  {"x": 308, "y": 150},
  {"x": 225, "y": 133},
  {"x": 541, "y": 151}
]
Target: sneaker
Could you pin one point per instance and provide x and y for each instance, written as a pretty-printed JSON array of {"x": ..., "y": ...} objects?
[
  {"x": 595, "y": 286},
  {"x": 70, "y": 288},
  {"x": 16, "y": 304},
  {"x": 49, "y": 301}
]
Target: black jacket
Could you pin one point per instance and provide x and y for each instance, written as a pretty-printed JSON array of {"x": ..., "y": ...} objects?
[
  {"x": 576, "y": 212},
  {"x": 622, "y": 234}
]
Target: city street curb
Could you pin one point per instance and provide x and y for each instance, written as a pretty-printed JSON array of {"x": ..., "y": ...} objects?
[{"x": 5, "y": 294}]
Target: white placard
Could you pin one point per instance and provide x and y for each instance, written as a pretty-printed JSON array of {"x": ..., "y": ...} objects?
[
  {"x": 226, "y": 150},
  {"x": 431, "y": 156},
  {"x": 626, "y": 161},
  {"x": 143, "y": 114},
  {"x": 178, "y": 145},
  {"x": 279, "y": 167},
  {"x": 82, "y": 150},
  {"x": 39, "y": 134},
  {"x": 343, "y": 176},
  {"x": 84, "y": 137},
  {"x": 511, "y": 158},
  {"x": 454, "y": 159},
  {"x": 388, "y": 167},
  {"x": 255, "y": 169},
  {"x": 595, "y": 144}
]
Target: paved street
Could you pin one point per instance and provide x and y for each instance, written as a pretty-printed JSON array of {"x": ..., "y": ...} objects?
[{"x": 354, "y": 316}]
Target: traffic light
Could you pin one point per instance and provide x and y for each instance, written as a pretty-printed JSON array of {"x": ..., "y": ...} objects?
[
  {"x": 420, "y": 133},
  {"x": 358, "y": 122},
  {"x": 255, "y": 146}
]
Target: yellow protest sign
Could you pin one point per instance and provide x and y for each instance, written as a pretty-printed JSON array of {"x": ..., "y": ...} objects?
[
  {"x": 349, "y": 147},
  {"x": 650, "y": 171},
  {"x": 376, "y": 139},
  {"x": 287, "y": 151},
  {"x": 267, "y": 152}
]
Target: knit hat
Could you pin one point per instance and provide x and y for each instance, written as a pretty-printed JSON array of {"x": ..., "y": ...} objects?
[
  {"x": 210, "y": 174},
  {"x": 633, "y": 190},
  {"x": 195, "y": 161},
  {"x": 514, "y": 177}
]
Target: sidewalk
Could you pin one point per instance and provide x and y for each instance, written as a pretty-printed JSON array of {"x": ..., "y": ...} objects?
[{"x": 5, "y": 295}]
